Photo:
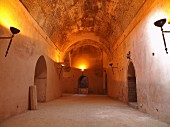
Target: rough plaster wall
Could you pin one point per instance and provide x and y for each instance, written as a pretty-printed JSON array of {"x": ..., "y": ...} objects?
[
  {"x": 152, "y": 71},
  {"x": 89, "y": 56},
  {"x": 70, "y": 80},
  {"x": 70, "y": 84},
  {"x": 18, "y": 68},
  {"x": 105, "y": 60},
  {"x": 53, "y": 83}
]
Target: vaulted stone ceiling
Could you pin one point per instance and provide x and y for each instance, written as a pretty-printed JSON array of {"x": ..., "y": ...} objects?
[{"x": 102, "y": 21}]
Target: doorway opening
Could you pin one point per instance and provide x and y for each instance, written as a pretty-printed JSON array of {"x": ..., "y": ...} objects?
[
  {"x": 40, "y": 79},
  {"x": 83, "y": 84},
  {"x": 105, "y": 82},
  {"x": 132, "y": 92}
]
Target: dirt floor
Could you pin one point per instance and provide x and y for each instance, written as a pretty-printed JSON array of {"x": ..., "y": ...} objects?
[{"x": 83, "y": 111}]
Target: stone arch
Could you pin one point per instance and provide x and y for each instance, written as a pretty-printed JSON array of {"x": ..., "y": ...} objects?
[
  {"x": 83, "y": 82},
  {"x": 85, "y": 42},
  {"x": 132, "y": 90},
  {"x": 40, "y": 79}
]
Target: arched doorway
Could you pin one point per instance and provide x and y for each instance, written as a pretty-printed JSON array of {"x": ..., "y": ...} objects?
[
  {"x": 105, "y": 82},
  {"x": 132, "y": 92},
  {"x": 40, "y": 79},
  {"x": 83, "y": 84}
]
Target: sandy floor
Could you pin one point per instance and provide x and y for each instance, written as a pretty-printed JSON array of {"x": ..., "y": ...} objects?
[{"x": 83, "y": 111}]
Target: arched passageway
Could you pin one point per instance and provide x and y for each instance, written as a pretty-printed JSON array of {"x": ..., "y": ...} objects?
[
  {"x": 83, "y": 84},
  {"x": 132, "y": 93},
  {"x": 40, "y": 79}
]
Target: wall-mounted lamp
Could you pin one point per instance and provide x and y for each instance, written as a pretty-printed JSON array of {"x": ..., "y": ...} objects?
[
  {"x": 82, "y": 70},
  {"x": 62, "y": 65},
  {"x": 128, "y": 55},
  {"x": 14, "y": 31},
  {"x": 160, "y": 23},
  {"x": 111, "y": 65}
]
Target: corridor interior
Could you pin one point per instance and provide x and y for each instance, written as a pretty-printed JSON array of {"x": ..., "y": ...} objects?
[
  {"x": 81, "y": 110},
  {"x": 84, "y": 63}
]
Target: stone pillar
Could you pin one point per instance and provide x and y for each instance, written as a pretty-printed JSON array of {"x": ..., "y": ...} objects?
[{"x": 33, "y": 97}]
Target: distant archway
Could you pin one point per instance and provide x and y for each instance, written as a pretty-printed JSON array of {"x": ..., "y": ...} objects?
[
  {"x": 83, "y": 84},
  {"x": 132, "y": 92},
  {"x": 40, "y": 79}
]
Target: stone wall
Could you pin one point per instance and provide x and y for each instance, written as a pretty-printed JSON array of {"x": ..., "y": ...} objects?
[
  {"x": 95, "y": 78},
  {"x": 151, "y": 63},
  {"x": 17, "y": 70}
]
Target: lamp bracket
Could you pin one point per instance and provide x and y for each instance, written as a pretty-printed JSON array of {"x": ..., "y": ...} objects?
[
  {"x": 160, "y": 23},
  {"x": 128, "y": 55},
  {"x": 13, "y": 31},
  {"x": 166, "y": 31}
]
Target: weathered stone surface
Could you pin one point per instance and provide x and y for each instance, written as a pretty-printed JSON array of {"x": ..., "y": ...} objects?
[{"x": 61, "y": 18}]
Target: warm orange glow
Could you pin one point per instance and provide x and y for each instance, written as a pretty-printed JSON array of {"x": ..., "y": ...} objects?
[
  {"x": 81, "y": 64},
  {"x": 7, "y": 18},
  {"x": 82, "y": 67},
  {"x": 168, "y": 20},
  {"x": 62, "y": 65},
  {"x": 155, "y": 38}
]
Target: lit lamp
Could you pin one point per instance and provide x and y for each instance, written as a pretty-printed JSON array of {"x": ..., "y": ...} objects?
[
  {"x": 62, "y": 65},
  {"x": 14, "y": 31},
  {"x": 82, "y": 69},
  {"x": 160, "y": 24}
]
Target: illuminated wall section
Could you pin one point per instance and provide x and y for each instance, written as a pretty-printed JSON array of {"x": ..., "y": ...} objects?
[
  {"x": 86, "y": 57},
  {"x": 17, "y": 70},
  {"x": 151, "y": 62},
  {"x": 11, "y": 16},
  {"x": 7, "y": 18},
  {"x": 154, "y": 33},
  {"x": 89, "y": 59}
]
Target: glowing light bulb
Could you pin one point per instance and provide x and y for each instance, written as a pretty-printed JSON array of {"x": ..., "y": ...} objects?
[{"x": 82, "y": 67}]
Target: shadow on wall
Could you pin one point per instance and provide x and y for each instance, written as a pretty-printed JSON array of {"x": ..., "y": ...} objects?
[
  {"x": 21, "y": 46},
  {"x": 40, "y": 79}
]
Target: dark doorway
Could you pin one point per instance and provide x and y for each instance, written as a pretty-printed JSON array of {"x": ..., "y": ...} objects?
[
  {"x": 40, "y": 79},
  {"x": 132, "y": 93},
  {"x": 105, "y": 82},
  {"x": 83, "y": 84}
]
